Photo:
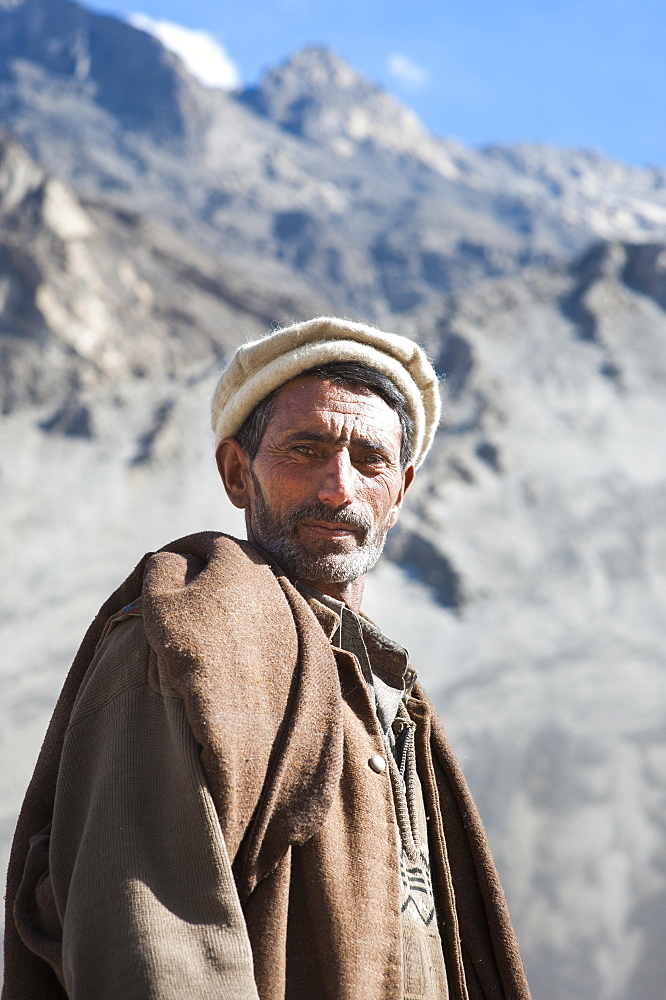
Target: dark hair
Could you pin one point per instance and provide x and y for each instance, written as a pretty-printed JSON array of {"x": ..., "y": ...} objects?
[{"x": 344, "y": 373}]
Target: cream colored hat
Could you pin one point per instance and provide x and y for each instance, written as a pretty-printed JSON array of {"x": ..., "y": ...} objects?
[{"x": 261, "y": 366}]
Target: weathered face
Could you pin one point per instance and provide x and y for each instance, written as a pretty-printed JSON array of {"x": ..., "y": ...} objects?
[{"x": 326, "y": 483}]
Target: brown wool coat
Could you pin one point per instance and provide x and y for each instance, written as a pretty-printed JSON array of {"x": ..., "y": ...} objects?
[{"x": 277, "y": 730}]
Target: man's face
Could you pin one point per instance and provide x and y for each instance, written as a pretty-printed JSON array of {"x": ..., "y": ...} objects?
[{"x": 326, "y": 483}]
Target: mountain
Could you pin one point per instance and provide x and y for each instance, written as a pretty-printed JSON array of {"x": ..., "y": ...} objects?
[
  {"x": 315, "y": 169},
  {"x": 149, "y": 225},
  {"x": 93, "y": 294}
]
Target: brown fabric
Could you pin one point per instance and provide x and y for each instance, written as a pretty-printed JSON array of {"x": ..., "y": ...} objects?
[
  {"x": 26, "y": 978},
  {"x": 250, "y": 669},
  {"x": 326, "y": 922},
  {"x": 138, "y": 867},
  {"x": 285, "y": 734},
  {"x": 385, "y": 667},
  {"x": 36, "y": 912},
  {"x": 487, "y": 961}
]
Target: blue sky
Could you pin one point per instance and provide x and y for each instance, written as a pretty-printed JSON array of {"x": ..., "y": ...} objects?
[{"x": 586, "y": 73}]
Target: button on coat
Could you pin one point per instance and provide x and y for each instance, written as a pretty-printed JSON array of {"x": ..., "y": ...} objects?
[{"x": 377, "y": 763}]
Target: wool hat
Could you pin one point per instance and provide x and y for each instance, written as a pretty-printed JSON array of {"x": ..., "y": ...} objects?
[{"x": 259, "y": 367}]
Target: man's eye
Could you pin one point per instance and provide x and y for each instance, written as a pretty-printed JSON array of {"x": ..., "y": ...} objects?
[
  {"x": 303, "y": 449},
  {"x": 372, "y": 458}
]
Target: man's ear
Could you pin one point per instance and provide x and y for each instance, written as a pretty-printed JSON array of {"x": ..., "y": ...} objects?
[
  {"x": 407, "y": 479},
  {"x": 233, "y": 464}
]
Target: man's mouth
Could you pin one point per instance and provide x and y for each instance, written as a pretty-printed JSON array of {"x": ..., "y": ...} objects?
[
  {"x": 317, "y": 521},
  {"x": 329, "y": 529}
]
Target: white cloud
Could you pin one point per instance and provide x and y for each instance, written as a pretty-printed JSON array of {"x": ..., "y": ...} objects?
[
  {"x": 204, "y": 57},
  {"x": 406, "y": 72}
]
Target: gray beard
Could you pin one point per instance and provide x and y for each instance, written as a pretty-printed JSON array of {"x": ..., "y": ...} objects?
[{"x": 318, "y": 563}]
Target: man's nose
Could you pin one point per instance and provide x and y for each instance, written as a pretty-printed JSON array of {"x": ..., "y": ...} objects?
[{"x": 338, "y": 480}]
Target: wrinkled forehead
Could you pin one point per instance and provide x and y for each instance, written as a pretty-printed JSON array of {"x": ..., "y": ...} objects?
[{"x": 347, "y": 409}]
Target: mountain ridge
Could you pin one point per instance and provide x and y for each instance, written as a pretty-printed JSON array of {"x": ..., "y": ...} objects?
[{"x": 353, "y": 193}]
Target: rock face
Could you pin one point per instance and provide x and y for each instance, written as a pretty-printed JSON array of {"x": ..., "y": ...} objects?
[
  {"x": 153, "y": 226},
  {"x": 68, "y": 43},
  {"x": 91, "y": 294}
]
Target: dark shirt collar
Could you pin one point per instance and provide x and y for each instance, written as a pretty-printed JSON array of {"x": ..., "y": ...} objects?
[{"x": 389, "y": 661}]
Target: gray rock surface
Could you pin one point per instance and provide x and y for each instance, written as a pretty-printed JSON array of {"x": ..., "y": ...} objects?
[
  {"x": 91, "y": 294},
  {"x": 143, "y": 239}
]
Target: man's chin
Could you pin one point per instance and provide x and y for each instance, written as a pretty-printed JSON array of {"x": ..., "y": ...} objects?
[
  {"x": 325, "y": 563},
  {"x": 324, "y": 548},
  {"x": 330, "y": 568}
]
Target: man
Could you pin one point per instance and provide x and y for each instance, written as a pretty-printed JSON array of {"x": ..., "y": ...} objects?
[{"x": 243, "y": 793}]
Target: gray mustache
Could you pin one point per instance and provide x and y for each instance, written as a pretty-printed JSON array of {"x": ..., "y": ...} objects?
[{"x": 322, "y": 512}]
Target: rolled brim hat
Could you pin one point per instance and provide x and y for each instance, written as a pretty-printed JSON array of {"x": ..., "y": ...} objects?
[{"x": 263, "y": 365}]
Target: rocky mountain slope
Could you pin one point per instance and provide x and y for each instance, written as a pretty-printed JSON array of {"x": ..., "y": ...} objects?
[
  {"x": 92, "y": 294},
  {"x": 158, "y": 224},
  {"x": 315, "y": 168}
]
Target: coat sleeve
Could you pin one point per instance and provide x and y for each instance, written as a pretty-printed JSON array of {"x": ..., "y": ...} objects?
[{"x": 139, "y": 869}]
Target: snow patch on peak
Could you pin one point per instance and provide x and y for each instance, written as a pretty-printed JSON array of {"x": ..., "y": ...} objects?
[{"x": 202, "y": 54}]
